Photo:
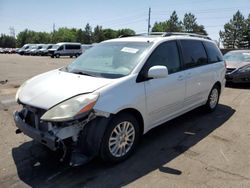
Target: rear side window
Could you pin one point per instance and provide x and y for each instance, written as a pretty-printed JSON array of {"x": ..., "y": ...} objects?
[
  {"x": 70, "y": 47},
  {"x": 214, "y": 55},
  {"x": 165, "y": 54},
  {"x": 194, "y": 53}
]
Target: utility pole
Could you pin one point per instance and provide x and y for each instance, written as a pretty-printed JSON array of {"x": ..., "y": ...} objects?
[
  {"x": 12, "y": 32},
  {"x": 54, "y": 27},
  {"x": 149, "y": 14}
]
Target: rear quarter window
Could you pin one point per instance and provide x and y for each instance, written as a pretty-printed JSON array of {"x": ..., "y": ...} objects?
[
  {"x": 73, "y": 47},
  {"x": 193, "y": 53},
  {"x": 214, "y": 54}
]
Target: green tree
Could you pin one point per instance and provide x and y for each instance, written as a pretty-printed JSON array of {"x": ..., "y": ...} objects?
[
  {"x": 98, "y": 34},
  {"x": 173, "y": 24},
  {"x": 7, "y": 41},
  {"x": 24, "y": 37},
  {"x": 64, "y": 34},
  {"x": 125, "y": 32},
  {"x": 80, "y": 36},
  {"x": 87, "y": 35},
  {"x": 159, "y": 27},
  {"x": 109, "y": 34},
  {"x": 190, "y": 25},
  {"x": 233, "y": 35},
  {"x": 41, "y": 37},
  {"x": 247, "y": 32}
]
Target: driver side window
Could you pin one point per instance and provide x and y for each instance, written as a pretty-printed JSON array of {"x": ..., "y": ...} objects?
[
  {"x": 165, "y": 54},
  {"x": 60, "y": 48}
]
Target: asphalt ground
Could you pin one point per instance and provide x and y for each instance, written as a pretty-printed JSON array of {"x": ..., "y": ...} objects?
[{"x": 197, "y": 149}]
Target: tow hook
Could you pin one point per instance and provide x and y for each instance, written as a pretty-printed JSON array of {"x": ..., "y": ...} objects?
[{"x": 18, "y": 131}]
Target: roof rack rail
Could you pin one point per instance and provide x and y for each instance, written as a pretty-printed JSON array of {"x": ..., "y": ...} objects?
[
  {"x": 140, "y": 34},
  {"x": 166, "y": 34}
]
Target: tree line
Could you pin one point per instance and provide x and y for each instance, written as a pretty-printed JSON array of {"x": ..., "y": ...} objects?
[
  {"x": 236, "y": 33},
  {"x": 64, "y": 34},
  {"x": 173, "y": 24}
]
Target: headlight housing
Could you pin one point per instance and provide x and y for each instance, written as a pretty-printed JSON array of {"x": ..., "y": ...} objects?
[
  {"x": 246, "y": 68},
  {"x": 72, "y": 108}
]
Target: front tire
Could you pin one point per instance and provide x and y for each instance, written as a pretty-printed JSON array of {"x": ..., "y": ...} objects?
[
  {"x": 120, "y": 138},
  {"x": 213, "y": 99}
]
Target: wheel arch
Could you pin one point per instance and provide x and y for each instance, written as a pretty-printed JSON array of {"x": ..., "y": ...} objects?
[
  {"x": 218, "y": 84},
  {"x": 137, "y": 115}
]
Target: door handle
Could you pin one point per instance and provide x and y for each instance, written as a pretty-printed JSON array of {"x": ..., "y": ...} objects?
[{"x": 180, "y": 78}]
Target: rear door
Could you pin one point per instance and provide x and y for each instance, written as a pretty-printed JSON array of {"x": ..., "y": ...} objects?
[
  {"x": 164, "y": 96},
  {"x": 198, "y": 73}
]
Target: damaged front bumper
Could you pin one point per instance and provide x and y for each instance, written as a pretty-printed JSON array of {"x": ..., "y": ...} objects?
[
  {"x": 47, "y": 139},
  {"x": 48, "y": 133},
  {"x": 86, "y": 133}
]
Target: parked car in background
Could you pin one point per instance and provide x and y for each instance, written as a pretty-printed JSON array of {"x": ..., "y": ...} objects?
[
  {"x": 35, "y": 49},
  {"x": 44, "y": 50},
  {"x": 86, "y": 47},
  {"x": 6, "y": 50},
  {"x": 1, "y": 51},
  {"x": 117, "y": 91},
  {"x": 29, "y": 49},
  {"x": 65, "y": 49},
  {"x": 238, "y": 66},
  {"x": 25, "y": 47}
]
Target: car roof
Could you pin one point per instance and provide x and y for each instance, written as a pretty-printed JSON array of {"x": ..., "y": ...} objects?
[
  {"x": 160, "y": 36},
  {"x": 69, "y": 43}
]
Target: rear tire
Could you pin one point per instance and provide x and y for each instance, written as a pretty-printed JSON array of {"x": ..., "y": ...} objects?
[
  {"x": 213, "y": 99},
  {"x": 57, "y": 55},
  {"x": 120, "y": 138}
]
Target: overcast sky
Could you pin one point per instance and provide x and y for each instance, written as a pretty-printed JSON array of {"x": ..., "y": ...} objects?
[{"x": 41, "y": 14}]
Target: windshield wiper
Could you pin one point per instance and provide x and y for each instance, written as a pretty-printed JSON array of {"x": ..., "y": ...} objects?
[{"x": 83, "y": 73}]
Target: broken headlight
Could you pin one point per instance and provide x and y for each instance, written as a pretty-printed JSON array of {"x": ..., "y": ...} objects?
[{"x": 71, "y": 108}]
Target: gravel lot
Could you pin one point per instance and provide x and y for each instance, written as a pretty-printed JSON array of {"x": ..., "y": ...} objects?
[{"x": 194, "y": 150}]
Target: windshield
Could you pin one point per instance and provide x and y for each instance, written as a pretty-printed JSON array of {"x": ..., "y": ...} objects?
[
  {"x": 110, "y": 60},
  {"x": 55, "y": 46},
  {"x": 44, "y": 46},
  {"x": 49, "y": 47},
  {"x": 237, "y": 56}
]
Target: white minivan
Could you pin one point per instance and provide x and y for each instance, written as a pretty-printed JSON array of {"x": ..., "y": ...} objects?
[
  {"x": 65, "y": 49},
  {"x": 118, "y": 90}
]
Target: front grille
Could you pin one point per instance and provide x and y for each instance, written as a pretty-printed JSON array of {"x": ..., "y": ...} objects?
[
  {"x": 230, "y": 70},
  {"x": 32, "y": 118}
]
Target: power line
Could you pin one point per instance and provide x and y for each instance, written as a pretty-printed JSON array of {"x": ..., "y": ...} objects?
[
  {"x": 128, "y": 23},
  {"x": 111, "y": 21},
  {"x": 215, "y": 10}
]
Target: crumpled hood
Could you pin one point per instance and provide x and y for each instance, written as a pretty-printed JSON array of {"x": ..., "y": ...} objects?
[
  {"x": 51, "y": 88},
  {"x": 236, "y": 65}
]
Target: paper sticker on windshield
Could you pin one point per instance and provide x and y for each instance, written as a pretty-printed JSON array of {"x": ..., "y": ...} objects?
[{"x": 129, "y": 50}]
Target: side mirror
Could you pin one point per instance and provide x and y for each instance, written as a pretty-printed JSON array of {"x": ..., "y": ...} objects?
[{"x": 158, "y": 71}]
